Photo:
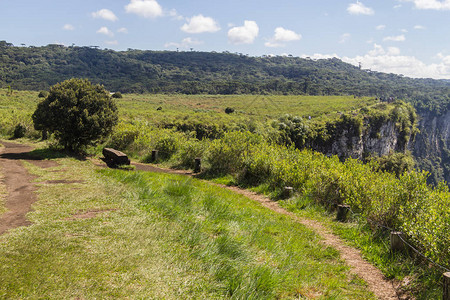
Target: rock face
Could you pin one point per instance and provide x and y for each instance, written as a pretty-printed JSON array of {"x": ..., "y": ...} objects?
[
  {"x": 381, "y": 140},
  {"x": 431, "y": 145}
]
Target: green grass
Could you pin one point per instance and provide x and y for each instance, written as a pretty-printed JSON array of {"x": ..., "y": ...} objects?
[
  {"x": 158, "y": 236},
  {"x": 415, "y": 274}
]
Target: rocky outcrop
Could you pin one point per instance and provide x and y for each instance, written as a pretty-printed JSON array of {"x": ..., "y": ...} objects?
[
  {"x": 431, "y": 145},
  {"x": 379, "y": 141}
]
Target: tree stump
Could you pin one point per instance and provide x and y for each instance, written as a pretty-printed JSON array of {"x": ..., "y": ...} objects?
[
  {"x": 446, "y": 294},
  {"x": 154, "y": 155},
  {"x": 197, "y": 165},
  {"x": 342, "y": 212},
  {"x": 397, "y": 242}
]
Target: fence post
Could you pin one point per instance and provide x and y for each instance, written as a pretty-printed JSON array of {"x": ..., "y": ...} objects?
[
  {"x": 288, "y": 192},
  {"x": 197, "y": 165},
  {"x": 396, "y": 241},
  {"x": 446, "y": 294},
  {"x": 342, "y": 212},
  {"x": 154, "y": 155}
]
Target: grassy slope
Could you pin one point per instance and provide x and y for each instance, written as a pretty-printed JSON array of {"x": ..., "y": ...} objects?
[{"x": 161, "y": 236}]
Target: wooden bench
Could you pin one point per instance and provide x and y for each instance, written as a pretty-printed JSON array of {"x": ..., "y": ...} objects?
[{"x": 114, "y": 157}]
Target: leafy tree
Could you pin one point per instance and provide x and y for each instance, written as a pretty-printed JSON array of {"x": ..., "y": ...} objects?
[{"x": 77, "y": 112}]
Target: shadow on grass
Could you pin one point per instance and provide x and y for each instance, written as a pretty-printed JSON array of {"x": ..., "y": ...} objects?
[{"x": 50, "y": 153}]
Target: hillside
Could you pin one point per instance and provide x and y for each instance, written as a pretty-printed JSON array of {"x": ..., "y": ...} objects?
[
  {"x": 37, "y": 68},
  {"x": 211, "y": 73}
]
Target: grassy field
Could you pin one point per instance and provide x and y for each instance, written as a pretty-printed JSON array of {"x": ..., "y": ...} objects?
[
  {"x": 17, "y": 107},
  {"x": 121, "y": 234},
  {"x": 246, "y": 106}
]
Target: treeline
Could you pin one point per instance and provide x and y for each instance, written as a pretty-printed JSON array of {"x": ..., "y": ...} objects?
[{"x": 37, "y": 68}]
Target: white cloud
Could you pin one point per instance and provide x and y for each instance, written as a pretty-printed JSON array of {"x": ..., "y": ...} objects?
[
  {"x": 345, "y": 38},
  {"x": 391, "y": 61},
  {"x": 272, "y": 44},
  {"x": 122, "y": 30},
  {"x": 393, "y": 51},
  {"x": 174, "y": 14},
  {"x": 243, "y": 34},
  {"x": 105, "y": 14},
  {"x": 286, "y": 35},
  {"x": 380, "y": 27},
  {"x": 397, "y": 6},
  {"x": 112, "y": 42},
  {"x": 396, "y": 38},
  {"x": 68, "y": 27},
  {"x": 185, "y": 43},
  {"x": 359, "y": 9},
  {"x": 430, "y": 4},
  {"x": 104, "y": 30},
  {"x": 200, "y": 24},
  {"x": 282, "y": 35},
  {"x": 404, "y": 30},
  {"x": 144, "y": 8},
  {"x": 419, "y": 27}
]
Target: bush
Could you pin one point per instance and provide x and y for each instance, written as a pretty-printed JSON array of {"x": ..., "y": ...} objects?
[
  {"x": 117, "y": 95},
  {"x": 43, "y": 94},
  {"x": 229, "y": 110},
  {"x": 19, "y": 131},
  {"x": 77, "y": 112}
]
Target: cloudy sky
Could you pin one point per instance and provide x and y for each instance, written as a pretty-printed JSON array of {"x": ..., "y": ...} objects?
[{"x": 410, "y": 37}]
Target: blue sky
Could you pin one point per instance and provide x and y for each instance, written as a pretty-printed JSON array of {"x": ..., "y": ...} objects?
[{"x": 410, "y": 37}]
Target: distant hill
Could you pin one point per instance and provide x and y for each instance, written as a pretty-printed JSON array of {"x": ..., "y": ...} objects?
[
  {"x": 139, "y": 71},
  {"x": 38, "y": 68}
]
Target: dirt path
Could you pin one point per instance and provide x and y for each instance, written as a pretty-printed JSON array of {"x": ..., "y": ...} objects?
[
  {"x": 378, "y": 284},
  {"x": 20, "y": 190}
]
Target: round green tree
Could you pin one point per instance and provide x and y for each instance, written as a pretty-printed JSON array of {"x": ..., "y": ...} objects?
[{"x": 77, "y": 112}]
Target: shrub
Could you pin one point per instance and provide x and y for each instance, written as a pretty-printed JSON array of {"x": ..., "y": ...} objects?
[
  {"x": 19, "y": 131},
  {"x": 117, "y": 95},
  {"x": 77, "y": 112},
  {"x": 124, "y": 135},
  {"x": 229, "y": 110},
  {"x": 43, "y": 94},
  {"x": 167, "y": 146},
  {"x": 189, "y": 151}
]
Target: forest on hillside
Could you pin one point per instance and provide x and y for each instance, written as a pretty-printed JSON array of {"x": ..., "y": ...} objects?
[{"x": 138, "y": 71}]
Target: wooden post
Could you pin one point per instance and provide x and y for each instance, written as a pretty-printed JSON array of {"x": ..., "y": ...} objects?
[
  {"x": 288, "y": 192},
  {"x": 197, "y": 165},
  {"x": 342, "y": 212},
  {"x": 44, "y": 135},
  {"x": 446, "y": 294},
  {"x": 154, "y": 155},
  {"x": 396, "y": 241}
]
